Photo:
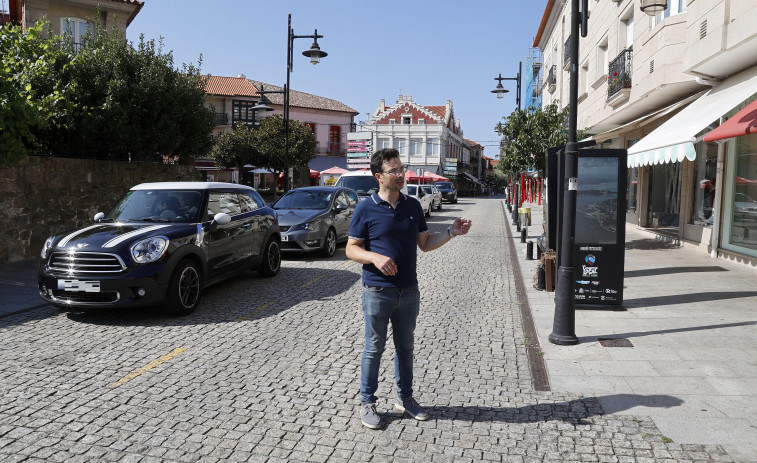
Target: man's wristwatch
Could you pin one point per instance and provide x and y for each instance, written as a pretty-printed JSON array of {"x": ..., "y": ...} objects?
[{"x": 449, "y": 232}]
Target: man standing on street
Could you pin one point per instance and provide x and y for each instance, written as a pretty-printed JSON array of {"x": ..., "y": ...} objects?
[{"x": 385, "y": 230}]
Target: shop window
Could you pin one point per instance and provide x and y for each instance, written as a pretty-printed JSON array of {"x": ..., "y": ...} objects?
[
  {"x": 664, "y": 198},
  {"x": 741, "y": 196},
  {"x": 632, "y": 191},
  {"x": 704, "y": 184}
]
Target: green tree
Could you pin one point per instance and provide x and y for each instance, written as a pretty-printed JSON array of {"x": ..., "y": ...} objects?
[
  {"x": 132, "y": 102},
  {"x": 237, "y": 148},
  {"x": 270, "y": 140},
  {"x": 528, "y": 134},
  {"x": 33, "y": 97}
]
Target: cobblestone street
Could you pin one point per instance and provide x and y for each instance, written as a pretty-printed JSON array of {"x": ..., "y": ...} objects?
[{"x": 268, "y": 370}]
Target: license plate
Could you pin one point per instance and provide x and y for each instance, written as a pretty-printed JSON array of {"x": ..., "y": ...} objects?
[
  {"x": 79, "y": 286},
  {"x": 284, "y": 238}
]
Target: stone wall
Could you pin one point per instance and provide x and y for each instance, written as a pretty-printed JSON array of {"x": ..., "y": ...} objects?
[{"x": 40, "y": 197}]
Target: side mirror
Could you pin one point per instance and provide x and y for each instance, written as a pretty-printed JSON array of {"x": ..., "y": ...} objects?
[
  {"x": 99, "y": 216},
  {"x": 221, "y": 218},
  {"x": 340, "y": 207}
]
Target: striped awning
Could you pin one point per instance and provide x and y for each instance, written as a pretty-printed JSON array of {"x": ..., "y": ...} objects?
[{"x": 673, "y": 141}]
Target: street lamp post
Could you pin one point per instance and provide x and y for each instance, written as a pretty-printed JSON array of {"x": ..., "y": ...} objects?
[
  {"x": 315, "y": 54},
  {"x": 564, "y": 326},
  {"x": 500, "y": 90}
]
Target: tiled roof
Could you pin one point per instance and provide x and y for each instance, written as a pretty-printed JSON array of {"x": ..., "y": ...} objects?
[
  {"x": 137, "y": 3},
  {"x": 303, "y": 100},
  {"x": 230, "y": 86},
  {"x": 440, "y": 111}
]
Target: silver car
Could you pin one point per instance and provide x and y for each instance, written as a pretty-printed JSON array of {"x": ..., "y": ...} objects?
[
  {"x": 315, "y": 218},
  {"x": 416, "y": 192},
  {"x": 436, "y": 195}
]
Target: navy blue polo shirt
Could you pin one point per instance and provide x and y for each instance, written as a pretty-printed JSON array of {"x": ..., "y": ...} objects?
[{"x": 392, "y": 232}]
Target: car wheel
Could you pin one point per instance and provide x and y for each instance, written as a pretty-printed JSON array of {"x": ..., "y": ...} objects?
[
  {"x": 271, "y": 258},
  {"x": 184, "y": 289},
  {"x": 428, "y": 211},
  {"x": 454, "y": 201},
  {"x": 439, "y": 207},
  {"x": 329, "y": 243}
]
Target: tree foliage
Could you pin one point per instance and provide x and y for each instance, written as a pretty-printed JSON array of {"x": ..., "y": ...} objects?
[
  {"x": 33, "y": 94},
  {"x": 270, "y": 140},
  {"x": 236, "y": 148},
  {"x": 528, "y": 133},
  {"x": 102, "y": 99}
]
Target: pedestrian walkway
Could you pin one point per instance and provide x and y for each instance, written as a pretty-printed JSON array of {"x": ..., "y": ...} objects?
[{"x": 691, "y": 321}]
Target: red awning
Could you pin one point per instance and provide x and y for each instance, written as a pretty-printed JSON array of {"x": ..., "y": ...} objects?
[{"x": 743, "y": 123}]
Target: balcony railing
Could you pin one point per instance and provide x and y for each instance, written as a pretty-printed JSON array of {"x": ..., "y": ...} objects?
[
  {"x": 566, "y": 54},
  {"x": 222, "y": 119},
  {"x": 552, "y": 78},
  {"x": 619, "y": 72}
]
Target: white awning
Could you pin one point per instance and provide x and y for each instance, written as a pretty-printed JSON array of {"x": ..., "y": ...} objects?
[
  {"x": 673, "y": 140},
  {"x": 645, "y": 119},
  {"x": 472, "y": 178}
]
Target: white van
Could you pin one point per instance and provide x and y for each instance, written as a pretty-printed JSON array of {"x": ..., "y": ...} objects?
[{"x": 363, "y": 182}]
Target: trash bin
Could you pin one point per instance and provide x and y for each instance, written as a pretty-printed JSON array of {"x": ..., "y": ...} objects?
[{"x": 524, "y": 215}]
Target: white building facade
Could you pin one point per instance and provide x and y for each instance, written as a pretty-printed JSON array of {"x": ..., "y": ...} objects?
[{"x": 658, "y": 86}]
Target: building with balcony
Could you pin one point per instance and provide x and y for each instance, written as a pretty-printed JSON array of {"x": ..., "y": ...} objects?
[
  {"x": 534, "y": 78},
  {"x": 428, "y": 138},
  {"x": 78, "y": 16},
  {"x": 658, "y": 86}
]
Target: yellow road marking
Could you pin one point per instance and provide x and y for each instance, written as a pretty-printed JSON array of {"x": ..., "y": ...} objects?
[
  {"x": 346, "y": 263},
  {"x": 251, "y": 314},
  {"x": 149, "y": 366},
  {"x": 312, "y": 281}
]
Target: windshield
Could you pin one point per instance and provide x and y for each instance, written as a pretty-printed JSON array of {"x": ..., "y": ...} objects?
[
  {"x": 176, "y": 206},
  {"x": 446, "y": 185},
  {"x": 363, "y": 185},
  {"x": 412, "y": 190},
  {"x": 304, "y": 199}
]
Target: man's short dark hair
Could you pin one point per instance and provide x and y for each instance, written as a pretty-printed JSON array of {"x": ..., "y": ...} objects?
[{"x": 380, "y": 157}]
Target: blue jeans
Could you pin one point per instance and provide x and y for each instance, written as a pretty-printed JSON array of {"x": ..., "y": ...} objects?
[{"x": 380, "y": 305}]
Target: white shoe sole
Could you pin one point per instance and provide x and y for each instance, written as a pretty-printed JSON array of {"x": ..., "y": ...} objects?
[
  {"x": 371, "y": 426},
  {"x": 402, "y": 409}
]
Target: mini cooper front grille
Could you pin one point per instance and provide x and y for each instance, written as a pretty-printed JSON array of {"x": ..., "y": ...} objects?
[{"x": 85, "y": 262}]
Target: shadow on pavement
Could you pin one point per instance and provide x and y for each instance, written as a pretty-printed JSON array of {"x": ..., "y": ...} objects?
[
  {"x": 242, "y": 299},
  {"x": 678, "y": 299},
  {"x": 671, "y": 270},
  {"x": 573, "y": 411},
  {"x": 650, "y": 244},
  {"x": 636, "y": 334}
]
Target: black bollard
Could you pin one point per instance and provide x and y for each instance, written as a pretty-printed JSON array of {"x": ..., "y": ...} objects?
[
  {"x": 517, "y": 225},
  {"x": 538, "y": 252},
  {"x": 540, "y": 278},
  {"x": 523, "y": 234},
  {"x": 530, "y": 250},
  {"x": 515, "y": 216}
]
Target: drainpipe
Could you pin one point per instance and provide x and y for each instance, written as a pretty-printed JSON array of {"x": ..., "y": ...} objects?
[{"x": 717, "y": 202}]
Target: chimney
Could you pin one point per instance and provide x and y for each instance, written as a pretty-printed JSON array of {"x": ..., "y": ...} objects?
[{"x": 242, "y": 76}]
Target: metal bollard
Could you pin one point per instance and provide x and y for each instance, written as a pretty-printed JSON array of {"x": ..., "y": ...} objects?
[
  {"x": 515, "y": 217},
  {"x": 523, "y": 234},
  {"x": 530, "y": 250},
  {"x": 517, "y": 225},
  {"x": 540, "y": 278},
  {"x": 538, "y": 252}
]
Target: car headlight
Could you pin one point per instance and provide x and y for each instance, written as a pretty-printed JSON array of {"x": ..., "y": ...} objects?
[
  {"x": 46, "y": 248},
  {"x": 149, "y": 250}
]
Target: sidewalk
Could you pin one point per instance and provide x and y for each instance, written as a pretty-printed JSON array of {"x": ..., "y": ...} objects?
[
  {"x": 691, "y": 320},
  {"x": 18, "y": 287}
]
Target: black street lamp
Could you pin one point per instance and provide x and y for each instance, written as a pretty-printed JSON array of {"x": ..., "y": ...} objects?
[
  {"x": 315, "y": 54},
  {"x": 564, "y": 325},
  {"x": 500, "y": 90}
]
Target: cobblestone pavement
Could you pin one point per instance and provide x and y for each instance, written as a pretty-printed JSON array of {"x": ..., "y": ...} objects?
[{"x": 268, "y": 370}]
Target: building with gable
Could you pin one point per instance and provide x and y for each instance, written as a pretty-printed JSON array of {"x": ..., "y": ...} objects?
[
  {"x": 76, "y": 15},
  {"x": 428, "y": 138}
]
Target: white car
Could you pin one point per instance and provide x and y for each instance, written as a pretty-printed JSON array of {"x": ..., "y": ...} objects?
[
  {"x": 436, "y": 195},
  {"x": 362, "y": 182},
  {"x": 426, "y": 200}
]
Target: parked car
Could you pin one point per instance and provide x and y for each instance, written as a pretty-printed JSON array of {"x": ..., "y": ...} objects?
[
  {"x": 315, "y": 218},
  {"x": 436, "y": 195},
  {"x": 744, "y": 203},
  {"x": 162, "y": 243},
  {"x": 362, "y": 182},
  {"x": 448, "y": 190},
  {"x": 416, "y": 192}
]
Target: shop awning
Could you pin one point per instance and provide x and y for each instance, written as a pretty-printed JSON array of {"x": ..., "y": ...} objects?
[
  {"x": 646, "y": 119},
  {"x": 673, "y": 140},
  {"x": 472, "y": 178},
  {"x": 743, "y": 123}
]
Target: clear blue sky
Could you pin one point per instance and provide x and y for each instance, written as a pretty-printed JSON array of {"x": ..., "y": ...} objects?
[{"x": 433, "y": 50}]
